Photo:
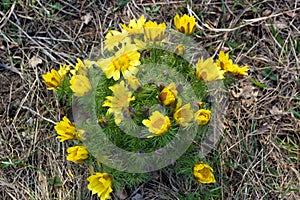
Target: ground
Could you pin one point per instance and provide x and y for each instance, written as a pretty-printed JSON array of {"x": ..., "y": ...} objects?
[{"x": 258, "y": 154}]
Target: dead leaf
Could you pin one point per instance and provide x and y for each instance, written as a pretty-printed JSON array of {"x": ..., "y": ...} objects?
[
  {"x": 280, "y": 25},
  {"x": 267, "y": 12},
  {"x": 121, "y": 194},
  {"x": 275, "y": 111},
  {"x": 86, "y": 18},
  {"x": 34, "y": 61},
  {"x": 246, "y": 93}
]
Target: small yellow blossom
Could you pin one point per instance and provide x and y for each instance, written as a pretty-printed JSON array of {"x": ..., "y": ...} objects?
[
  {"x": 52, "y": 79},
  {"x": 134, "y": 27},
  {"x": 141, "y": 45},
  {"x": 183, "y": 115},
  {"x": 67, "y": 130},
  {"x": 201, "y": 104},
  {"x": 80, "y": 85},
  {"x": 132, "y": 81},
  {"x": 82, "y": 67},
  {"x": 126, "y": 59},
  {"x": 114, "y": 38},
  {"x": 202, "y": 117},
  {"x": 179, "y": 50},
  {"x": 227, "y": 65},
  {"x": 77, "y": 154},
  {"x": 64, "y": 70},
  {"x": 239, "y": 70},
  {"x": 207, "y": 70},
  {"x": 103, "y": 121},
  {"x": 154, "y": 32},
  {"x": 157, "y": 123},
  {"x": 204, "y": 173},
  {"x": 100, "y": 184},
  {"x": 185, "y": 24},
  {"x": 119, "y": 101},
  {"x": 168, "y": 95}
]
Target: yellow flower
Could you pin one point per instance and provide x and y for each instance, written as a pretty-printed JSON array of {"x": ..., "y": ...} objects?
[
  {"x": 185, "y": 24},
  {"x": 140, "y": 44},
  {"x": 103, "y": 122},
  {"x": 183, "y": 115},
  {"x": 52, "y": 79},
  {"x": 81, "y": 68},
  {"x": 100, "y": 183},
  {"x": 168, "y": 95},
  {"x": 153, "y": 31},
  {"x": 208, "y": 71},
  {"x": 126, "y": 59},
  {"x": 134, "y": 27},
  {"x": 202, "y": 117},
  {"x": 64, "y": 70},
  {"x": 179, "y": 50},
  {"x": 80, "y": 85},
  {"x": 132, "y": 81},
  {"x": 67, "y": 130},
  {"x": 239, "y": 70},
  {"x": 227, "y": 64},
  {"x": 114, "y": 38},
  {"x": 119, "y": 102},
  {"x": 157, "y": 123},
  {"x": 223, "y": 60},
  {"x": 204, "y": 173},
  {"x": 77, "y": 154}
]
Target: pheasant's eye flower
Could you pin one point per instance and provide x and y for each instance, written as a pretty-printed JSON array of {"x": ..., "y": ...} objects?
[
  {"x": 227, "y": 65},
  {"x": 185, "y": 24},
  {"x": 168, "y": 95},
  {"x": 77, "y": 154},
  {"x": 179, "y": 50},
  {"x": 63, "y": 70},
  {"x": 52, "y": 79},
  {"x": 134, "y": 27},
  {"x": 103, "y": 122},
  {"x": 82, "y": 67},
  {"x": 67, "y": 130},
  {"x": 100, "y": 184},
  {"x": 140, "y": 44},
  {"x": 202, "y": 117},
  {"x": 204, "y": 173},
  {"x": 132, "y": 81},
  {"x": 207, "y": 70},
  {"x": 119, "y": 101},
  {"x": 157, "y": 123},
  {"x": 183, "y": 115},
  {"x": 114, "y": 38},
  {"x": 240, "y": 70},
  {"x": 153, "y": 31},
  {"x": 223, "y": 60},
  {"x": 80, "y": 85},
  {"x": 126, "y": 59}
]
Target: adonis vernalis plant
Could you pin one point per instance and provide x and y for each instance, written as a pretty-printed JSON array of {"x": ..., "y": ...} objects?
[{"x": 140, "y": 109}]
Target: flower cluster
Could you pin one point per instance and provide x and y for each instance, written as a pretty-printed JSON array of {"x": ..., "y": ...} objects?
[{"x": 124, "y": 94}]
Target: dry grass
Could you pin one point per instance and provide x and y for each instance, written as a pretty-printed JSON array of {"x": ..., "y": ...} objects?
[{"x": 258, "y": 157}]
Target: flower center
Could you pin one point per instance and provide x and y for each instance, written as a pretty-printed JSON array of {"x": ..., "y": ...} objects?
[
  {"x": 205, "y": 172},
  {"x": 121, "y": 63},
  {"x": 222, "y": 65},
  {"x": 158, "y": 123}
]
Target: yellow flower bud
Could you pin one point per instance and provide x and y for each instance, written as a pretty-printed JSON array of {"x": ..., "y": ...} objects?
[
  {"x": 202, "y": 117},
  {"x": 204, "y": 173},
  {"x": 77, "y": 154}
]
